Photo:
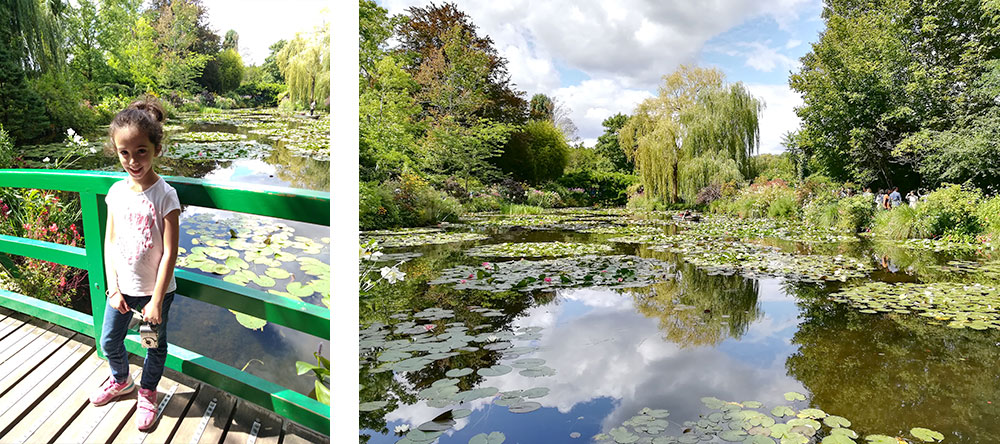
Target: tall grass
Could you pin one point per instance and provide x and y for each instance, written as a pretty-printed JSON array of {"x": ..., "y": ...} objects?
[
  {"x": 901, "y": 222},
  {"x": 515, "y": 209}
]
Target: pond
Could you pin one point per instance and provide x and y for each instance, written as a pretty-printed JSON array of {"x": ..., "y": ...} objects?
[
  {"x": 604, "y": 326},
  {"x": 291, "y": 259}
]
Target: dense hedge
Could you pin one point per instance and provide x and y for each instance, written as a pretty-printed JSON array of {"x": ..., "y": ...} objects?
[{"x": 602, "y": 188}]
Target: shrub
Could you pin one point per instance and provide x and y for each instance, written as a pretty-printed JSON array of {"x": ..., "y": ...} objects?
[
  {"x": 260, "y": 94},
  {"x": 901, "y": 222},
  {"x": 420, "y": 204},
  {"x": 855, "y": 214},
  {"x": 757, "y": 199},
  {"x": 377, "y": 209},
  {"x": 111, "y": 105},
  {"x": 603, "y": 188},
  {"x": 454, "y": 188},
  {"x": 823, "y": 211},
  {"x": 483, "y": 202},
  {"x": 784, "y": 206},
  {"x": 989, "y": 214},
  {"x": 43, "y": 215},
  {"x": 951, "y": 210},
  {"x": 64, "y": 104},
  {"x": 544, "y": 199},
  {"x": 708, "y": 194},
  {"x": 512, "y": 191}
]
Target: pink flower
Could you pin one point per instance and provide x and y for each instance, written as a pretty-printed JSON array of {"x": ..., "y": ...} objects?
[
  {"x": 620, "y": 279},
  {"x": 53, "y": 228},
  {"x": 604, "y": 271},
  {"x": 429, "y": 327},
  {"x": 471, "y": 275},
  {"x": 461, "y": 281},
  {"x": 487, "y": 265},
  {"x": 548, "y": 279}
]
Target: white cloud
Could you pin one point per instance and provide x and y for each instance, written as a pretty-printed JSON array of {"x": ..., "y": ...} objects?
[
  {"x": 592, "y": 101},
  {"x": 793, "y": 43},
  {"x": 632, "y": 41},
  {"x": 761, "y": 57},
  {"x": 260, "y": 24},
  {"x": 778, "y": 116}
]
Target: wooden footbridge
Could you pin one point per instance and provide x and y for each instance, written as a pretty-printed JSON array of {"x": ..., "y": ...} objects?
[{"x": 49, "y": 362}]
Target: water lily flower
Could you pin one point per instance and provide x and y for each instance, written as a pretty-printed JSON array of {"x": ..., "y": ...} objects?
[
  {"x": 620, "y": 279},
  {"x": 487, "y": 265},
  {"x": 429, "y": 327},
  {"x": 471, "y": 275},
  {"x": 46, "y": 160},
  {"x": 392, "y": 275},
  {"x": 402, "y": 428},
  {"x": 548, "y": 279},
  {"x": 93, "y": 151},
  {"x": 461, "y": 281}
]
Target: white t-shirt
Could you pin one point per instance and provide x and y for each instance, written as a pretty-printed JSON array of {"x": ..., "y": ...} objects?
[{"x": 138, "y": 244}]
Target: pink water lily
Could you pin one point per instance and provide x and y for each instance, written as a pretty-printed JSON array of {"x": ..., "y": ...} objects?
[
  {"x": 487, "y": 265},
  {"x": 461, "y": 281},
  {"x": 620, "y": 279},
  {"x": 548, "y": 279},
  {"x": 429, "y": 327},
  {"x": 471, "y": 275}
]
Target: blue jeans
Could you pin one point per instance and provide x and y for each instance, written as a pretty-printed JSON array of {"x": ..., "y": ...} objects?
[{"x": 113, "y": 341}]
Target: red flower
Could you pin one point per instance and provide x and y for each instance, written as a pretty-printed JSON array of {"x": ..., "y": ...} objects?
[{"x": 53, "y": 228}]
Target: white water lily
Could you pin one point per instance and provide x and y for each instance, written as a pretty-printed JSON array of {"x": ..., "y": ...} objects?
[
  {"x": 402, "y": 428},
  {"x": 392, "y": 275},
  {"x": 46, "y": 160},
  {"x": 93, "y": 151}
]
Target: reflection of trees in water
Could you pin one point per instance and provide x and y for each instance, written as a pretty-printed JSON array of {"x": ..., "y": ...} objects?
[
  {"x": 413, "y": 295},
  {"x": 300, "y": 172},
  {"x": 889, "y": 373},
  {"x": 696, "y": 309}
]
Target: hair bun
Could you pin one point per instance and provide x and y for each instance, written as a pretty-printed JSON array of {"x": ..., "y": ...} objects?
[{"x": 150, "y": 106}]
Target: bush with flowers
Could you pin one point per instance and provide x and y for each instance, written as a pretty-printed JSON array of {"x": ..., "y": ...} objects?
[
  {"x": 544, "y": 199},
  {"x": 46, "y": 216},
  {"x": 773, "y": 198}
]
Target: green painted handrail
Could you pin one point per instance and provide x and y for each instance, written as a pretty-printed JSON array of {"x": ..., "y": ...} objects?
[{"x": 293, "y": 204}]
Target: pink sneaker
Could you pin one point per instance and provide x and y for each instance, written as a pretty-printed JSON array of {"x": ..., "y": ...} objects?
[
  {"x": 145, "y": 412},
  {"x": 111, "y": 389}
]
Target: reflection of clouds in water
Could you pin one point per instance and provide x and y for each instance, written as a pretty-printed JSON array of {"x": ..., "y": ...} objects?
[
  {"x": 780, "y": 313},
  {"x": 615, "y": 352},
  {"x": 250, "y": 171}
]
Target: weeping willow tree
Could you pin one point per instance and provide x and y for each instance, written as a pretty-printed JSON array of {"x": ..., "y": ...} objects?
[
  {"x": 697, "y": 130},
  {"x": 305, "y": 64}
]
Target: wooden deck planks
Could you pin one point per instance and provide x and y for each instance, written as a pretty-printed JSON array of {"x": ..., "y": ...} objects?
[
  {"x": 47, "y": 374},
  {"x": 169, "y": 419},
  {"x": 187, "y": 429},
  {"x": 65, "y": 401},
  {"x": 85, "y": 426},
  {"x": 31, "y": 391},
  {"x": 240, "y": 430},
  {"x": 18, "y": 339},
  {"x": 25, "y": 360}
]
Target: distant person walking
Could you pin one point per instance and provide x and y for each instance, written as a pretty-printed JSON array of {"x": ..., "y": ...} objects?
[
  {"x": 895, "y": 198},
  {"x": 911, "y": 197},
  {"x": 886, "y": 205}
]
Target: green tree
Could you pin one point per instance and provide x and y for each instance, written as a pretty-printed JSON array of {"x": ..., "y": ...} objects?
[
  {"x": 305, "y": 64},
  {"x": 608, "y": 143},
  {"x": 541, "y": 107},
  {"x": 231, "y": 41},
  {"x": 270, "y": 65},
  {"x": 230, "y": 70},
  {"x": 694, "y": 115},
  {"x": 465, "y": 149},
  {"x": 374, "y": 29},
  {"x": 388, "y": 121},
  {"x": 535, "y": 154},
  {"x": 424, "y": 34}
]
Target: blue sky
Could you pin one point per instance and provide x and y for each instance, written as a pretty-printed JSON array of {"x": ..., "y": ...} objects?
[{"x": 603, "y": 57}]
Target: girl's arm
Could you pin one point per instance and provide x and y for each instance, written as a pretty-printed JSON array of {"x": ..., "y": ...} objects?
[
  {"x": 115, "y": 299},
  {"x": 151, "y": 313}
]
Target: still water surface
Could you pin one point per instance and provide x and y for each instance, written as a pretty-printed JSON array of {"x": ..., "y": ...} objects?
[{"x": 740, "y": 339}]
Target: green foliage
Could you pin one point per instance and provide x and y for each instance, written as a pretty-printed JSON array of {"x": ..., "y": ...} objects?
[
  {"x": 951, "y": 210},
  {"x": 989, "y": 214},
  {"x": 901, "y": 222},
  {"x": 256, "y": 94},
  {"x": 407, "y": 202},
  {"x": 608, "y": 144},
  {"x": 230, "y": 70},
  {"x": 483, "y": 202},
  {"x": 7, "y": 153},
  {"x": 758, "y": 199},
  {"x": 305, "y": 64},
  {"x": 321, "y": 371},
  {"x": 695, "y": 114},
  {"x": 582, "y": 158},
  {"x": 544, "y": 199},
  {"x": 824, "y": 211},
  {"x": 388, "y": 126},
  {"x": 377, "y": 208},
  {"x": 514, "y": 209},
  {"x": 270, "y": 66},
  {"x": 464, "y": 150},
  {"x": 855, "y": 213},
  {"x": 64, "y": 104},
  {"x": 784, "y": 206},
  {"x": 774, "y": 166},
  {"x": 536, "y": 154},
  {"x": 541, "y": 107},
  {"x": 704, "y": 170},
  {"x": 603, "y": 188},
  {"x": 22, "y": 110}
]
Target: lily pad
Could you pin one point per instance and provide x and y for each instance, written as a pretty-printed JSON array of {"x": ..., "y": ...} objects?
[
  {"x": 372, "y": 406},
  {"x": 492, "y": 438},
  {"x": 457, "y": 373},
  {"x": 926, "y": 435},
  {"x": 538, "y": 249}
]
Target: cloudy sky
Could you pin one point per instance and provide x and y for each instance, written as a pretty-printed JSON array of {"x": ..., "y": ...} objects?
[
  {"x": 601, "y": 57},
  {"x": 259, "y": 23}
]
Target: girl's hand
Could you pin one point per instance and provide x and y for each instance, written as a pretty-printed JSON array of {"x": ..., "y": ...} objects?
[
  {"x": 151, "y": 313},
  {"x": 118, "y": 302}
]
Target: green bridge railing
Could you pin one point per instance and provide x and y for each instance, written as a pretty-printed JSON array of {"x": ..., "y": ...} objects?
[{"x": 293, "y": 204}]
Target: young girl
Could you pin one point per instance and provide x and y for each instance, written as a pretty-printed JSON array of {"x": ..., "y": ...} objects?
[{"x": 140, "y": 252}]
